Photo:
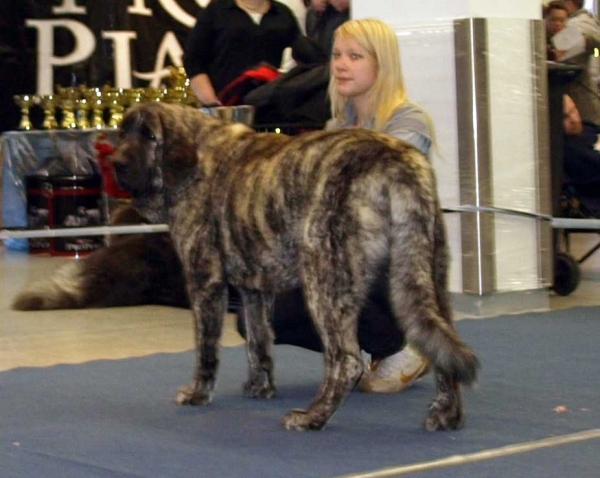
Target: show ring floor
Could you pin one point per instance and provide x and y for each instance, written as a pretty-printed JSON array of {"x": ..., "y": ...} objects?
[{"x": 90, "y": 394}]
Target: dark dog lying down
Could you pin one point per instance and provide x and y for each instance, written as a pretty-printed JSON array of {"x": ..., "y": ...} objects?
[{"x": 133, "y": 269}]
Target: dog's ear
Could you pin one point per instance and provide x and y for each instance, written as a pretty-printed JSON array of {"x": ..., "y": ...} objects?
[{"x": 179, "y": 148}]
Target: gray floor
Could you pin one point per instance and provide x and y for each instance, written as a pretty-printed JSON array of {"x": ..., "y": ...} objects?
[
  {"x": 76, "y": 336},
  {"x": 40, "y": 339}
]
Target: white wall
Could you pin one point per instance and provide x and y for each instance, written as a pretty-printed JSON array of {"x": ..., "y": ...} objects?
[
  {"x": 397, "y": 12},
  {"x": 426, "y": 35}
]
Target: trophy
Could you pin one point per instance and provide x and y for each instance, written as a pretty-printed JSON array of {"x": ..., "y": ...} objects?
[
  {"x": 176, "y": 94},
  {"x": 133, "y": 96},
  {"x": 24, "y": 102},
  {"x": 97, "y": 104},
  {"x": 67, "y": 98},
  {"x": 48, "y": 103},
  {"x": 179, "y": 89},
  {"x": 82, "y": 113},
  {"x": 154, "y": 94},
  {"x": 191, "y": 99},
  {"x": 83, "y": 106},
  {"x": 115, "y": 101},
  {"x": 178, "y": 77}
]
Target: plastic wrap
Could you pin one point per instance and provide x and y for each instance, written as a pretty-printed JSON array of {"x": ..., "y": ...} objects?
[
  {"x": 45, "y": 153},
  {"x": 485, "y": 87}
]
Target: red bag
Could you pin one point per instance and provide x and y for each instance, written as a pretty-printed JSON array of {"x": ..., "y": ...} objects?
[
  {"x": 233, "y": 94},
  {"x": 107, "y": 169}
]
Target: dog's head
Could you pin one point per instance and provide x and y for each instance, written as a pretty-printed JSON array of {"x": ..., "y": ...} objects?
[{"x": 157, "y": 152}]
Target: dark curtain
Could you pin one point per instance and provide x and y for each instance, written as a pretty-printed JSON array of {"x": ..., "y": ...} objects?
[{"x": 18, "y": 45}]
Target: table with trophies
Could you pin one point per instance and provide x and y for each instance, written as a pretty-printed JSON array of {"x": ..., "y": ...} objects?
[{"x": 56, "y": 154}]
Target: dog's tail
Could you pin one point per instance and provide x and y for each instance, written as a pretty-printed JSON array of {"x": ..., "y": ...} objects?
[
  {"x": 62, "y": 290},
  {"x": 419, "y": 295}
]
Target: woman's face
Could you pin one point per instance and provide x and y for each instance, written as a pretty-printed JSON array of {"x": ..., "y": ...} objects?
[{"x": 353, "y": 69}]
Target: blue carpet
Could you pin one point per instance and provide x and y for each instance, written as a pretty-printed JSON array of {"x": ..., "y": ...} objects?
[{"x": 116, "y": 418}]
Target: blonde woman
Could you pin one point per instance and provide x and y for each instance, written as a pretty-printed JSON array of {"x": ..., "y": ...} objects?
[
  {"x": 367, "y": 88},
  {"x": 367, "y": 91}
]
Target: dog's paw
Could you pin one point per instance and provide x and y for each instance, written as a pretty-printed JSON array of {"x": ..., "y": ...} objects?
[
  {"x": 443, "y": 417},
  {"x": 190, "y": 395},
  {"x": 301, "y": 420},
  {"x": 259, "y": 388}
]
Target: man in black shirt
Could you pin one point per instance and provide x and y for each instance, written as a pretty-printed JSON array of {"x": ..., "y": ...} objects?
[{"x": 231, "y": 36}]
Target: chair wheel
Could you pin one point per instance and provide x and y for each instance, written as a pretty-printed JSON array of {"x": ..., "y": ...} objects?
[{"x": 567, "y": 274}]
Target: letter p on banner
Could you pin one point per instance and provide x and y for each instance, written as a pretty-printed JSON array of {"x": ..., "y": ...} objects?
[{"x": 85, "y": 44}]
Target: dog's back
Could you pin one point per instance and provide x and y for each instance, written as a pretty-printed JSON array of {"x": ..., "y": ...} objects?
[
  {"x": 284, "y": 191},
  {"x": 352, "y": 200}
]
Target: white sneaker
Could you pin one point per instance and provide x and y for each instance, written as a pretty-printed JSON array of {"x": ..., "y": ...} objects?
[{"x": 394, "y": 373}]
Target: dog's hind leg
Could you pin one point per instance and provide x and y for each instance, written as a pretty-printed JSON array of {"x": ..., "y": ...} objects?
[
  {"x": 343, "y": 366},
  {"x": 417, "y": 269},
  {"x": 334, "y": 306},
  {"x": 209, "y": 305},
  {"x": 257, "y": 310}
]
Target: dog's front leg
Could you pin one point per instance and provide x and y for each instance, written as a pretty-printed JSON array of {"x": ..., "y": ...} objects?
[
  {"x": 257, "y": 309},
  {"x": 209, "y": 305}
]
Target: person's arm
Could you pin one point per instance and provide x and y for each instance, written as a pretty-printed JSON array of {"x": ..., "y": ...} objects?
[
  {"x": 203, "y": 89},
  {"x": 197, "y": 57},
  {"x": 412, "y": 126},
  {"x": 590, "y": 29},
  {"x": 418, "y": 140}
]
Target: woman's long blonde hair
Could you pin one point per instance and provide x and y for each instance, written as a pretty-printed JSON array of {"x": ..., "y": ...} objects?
[{"x": 388, "y": 92}]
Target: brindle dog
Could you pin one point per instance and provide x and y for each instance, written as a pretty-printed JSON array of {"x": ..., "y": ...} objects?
[{"x": 326, "y": 211}]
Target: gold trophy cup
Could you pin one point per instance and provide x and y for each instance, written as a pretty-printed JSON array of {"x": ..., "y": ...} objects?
[
  {"x": 98, "y": 105},
  {"x": 67, "y": 98},
  {"x": 115, "y": 101},
  {"x": 83, "y": 107},
  {"x": 154, "y": 94},
  {"x": 48, "y": 103},
  {"x": 133, "y": 96},
  {"x": 25, "y": 102}
]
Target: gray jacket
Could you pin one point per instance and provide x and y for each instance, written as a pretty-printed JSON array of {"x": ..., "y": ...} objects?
[{"x": 408, "y": 123}]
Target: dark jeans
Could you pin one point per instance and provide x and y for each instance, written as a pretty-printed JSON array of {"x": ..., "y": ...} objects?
[{"x": 378, "y": 333}]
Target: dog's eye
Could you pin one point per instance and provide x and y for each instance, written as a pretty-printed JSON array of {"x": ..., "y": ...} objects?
[{"x": 147, "y": 133}]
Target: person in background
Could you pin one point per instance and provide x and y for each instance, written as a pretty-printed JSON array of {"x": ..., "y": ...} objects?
[
  {"x": 367, "y": 90},
  {"x": 582, "y": 151},
  {"x": 298, "y": 8},
  {"x": 572, "y": 124},
  {"x": 583, "y": 90},
  {"x": 555, "y": 16},
  {"x": 231, "y": 36},
  {"x": 322, "y": 18}
]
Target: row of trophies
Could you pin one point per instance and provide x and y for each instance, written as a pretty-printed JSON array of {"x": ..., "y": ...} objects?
[{"x": 82, "y": 107}]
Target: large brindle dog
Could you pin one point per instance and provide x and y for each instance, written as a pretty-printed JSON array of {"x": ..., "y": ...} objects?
[{"x": 326, "y": 211}]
